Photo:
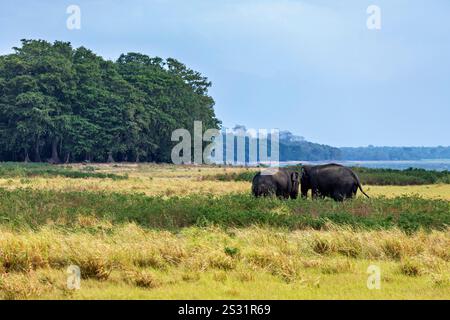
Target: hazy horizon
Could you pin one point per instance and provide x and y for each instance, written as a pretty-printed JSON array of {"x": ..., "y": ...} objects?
[{"x": 309, "y": 67}]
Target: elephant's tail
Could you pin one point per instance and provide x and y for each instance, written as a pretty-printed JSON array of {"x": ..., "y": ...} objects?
[
  {"x": 359, "y": 185},
  {"x": 360, "y": 188}
]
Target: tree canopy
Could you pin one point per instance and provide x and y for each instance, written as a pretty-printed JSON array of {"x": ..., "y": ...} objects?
[{"x": 64, "y": 104}]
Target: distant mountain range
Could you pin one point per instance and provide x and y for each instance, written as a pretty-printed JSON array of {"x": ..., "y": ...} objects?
[{"x": 297, "y": 148}]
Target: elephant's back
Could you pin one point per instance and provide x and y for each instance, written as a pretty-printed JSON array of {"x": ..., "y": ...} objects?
[
  {"x": 335, "y": 174},
  {"x": 259, "y": 179}
]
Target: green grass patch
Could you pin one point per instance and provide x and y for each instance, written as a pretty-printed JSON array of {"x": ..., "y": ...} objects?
[
  {"x": 29, "y": 170},
  {"x": 34, "y": 208},
  {"x": 405, "y": 177},
  {"x": 234, "y": 176}
]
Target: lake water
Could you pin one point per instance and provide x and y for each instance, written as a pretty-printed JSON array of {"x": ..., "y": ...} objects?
[{"x": 439, "y": 165}]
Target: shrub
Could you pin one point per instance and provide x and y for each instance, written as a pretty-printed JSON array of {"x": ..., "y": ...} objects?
[{"x": 410, "y": 268}]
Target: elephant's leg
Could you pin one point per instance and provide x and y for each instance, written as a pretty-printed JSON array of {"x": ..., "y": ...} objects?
[
  {"x": 338, "y": 196},
  {"x": 350, "y": 194},
  {"x": 315, "y": 194},
  {"x": 354, "y": 190},
  {"x": 270, "y": 192}
]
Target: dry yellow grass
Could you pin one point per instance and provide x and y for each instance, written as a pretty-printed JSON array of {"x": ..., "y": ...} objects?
[
  {"x": 157, "y": 186},
  {"x": 434, "y": 191},
  {"x": 131, "y": 262},
  {"x": 170, "y": 180},
  {"x": 160, "y": 180}
]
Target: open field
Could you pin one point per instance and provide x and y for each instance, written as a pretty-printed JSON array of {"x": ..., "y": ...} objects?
[
  {"x": 128, "y": 261},
  {"x": 169, "y": 180},
  {"x": 182, "y": 186},
  {"x": 162, "y": 231}
]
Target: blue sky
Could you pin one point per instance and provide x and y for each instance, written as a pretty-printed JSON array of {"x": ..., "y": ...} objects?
[{"x": 311, "y": 67}]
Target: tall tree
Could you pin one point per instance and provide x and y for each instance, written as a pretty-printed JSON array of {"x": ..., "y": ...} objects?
[{"x": 65, "y": 104}]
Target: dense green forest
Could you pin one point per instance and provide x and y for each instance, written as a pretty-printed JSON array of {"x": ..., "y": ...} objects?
[
  {"x": 65, "y": 104},
  {"x": 307, "y": 151}
]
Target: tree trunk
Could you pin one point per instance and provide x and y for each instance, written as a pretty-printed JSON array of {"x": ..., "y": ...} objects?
[
  {"x": 37, "y": 154},
  {"x": 55, "y": 158},
  {"x": 137, "y": 156},
  {"x": 67, "y": 157},
  {"x": 27, "y": 158},
  {"x": 110, "y": 157}
]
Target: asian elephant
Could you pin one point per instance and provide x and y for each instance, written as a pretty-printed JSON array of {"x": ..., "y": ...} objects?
[
  {"x": 282, "y": 182},
  {"x": 330, "y": 180}
]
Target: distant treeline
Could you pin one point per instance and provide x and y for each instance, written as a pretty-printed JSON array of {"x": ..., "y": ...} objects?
[
  {"x": 61, "y": 104},
  {"x": 309, "y": 151},
  {"x": 292, "y": 148},
  {"x": 288, "y": 151}
]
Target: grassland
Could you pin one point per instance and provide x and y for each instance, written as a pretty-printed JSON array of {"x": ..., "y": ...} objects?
[
  {"x": 162, "y": 231},
  {"x": 167, "y": 180}
]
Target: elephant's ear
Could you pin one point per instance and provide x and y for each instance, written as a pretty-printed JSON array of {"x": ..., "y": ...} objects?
[{"x": 294, "y": 176}]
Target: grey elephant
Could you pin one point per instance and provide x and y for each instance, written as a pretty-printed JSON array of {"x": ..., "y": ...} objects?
[
  {"x": 330, "y": 180},
  {"x": 282, "y": 182}
]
